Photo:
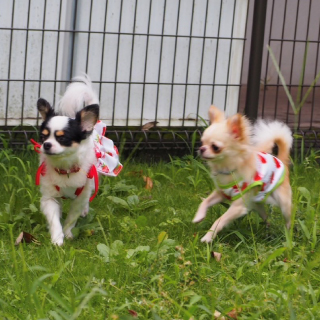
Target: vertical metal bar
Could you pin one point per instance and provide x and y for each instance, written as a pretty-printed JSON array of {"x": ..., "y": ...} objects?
[
  {"x": 305, "y": 48},
  {"x": 217, "y": 49},
  {"x": 117, "y": 62},
  {"x": 73, "y": 36},
  {"x": 243, "y": 51},
  {"x": 57, "y": 56},
  {"x": 231, "y": 42},
  {"x": 9, "y": 65},
  {"x": 25, "y": 64},
  {"x": 280, "y": 57},
  {"x": 174, "y": 63},
  {"x": 41, "y": 54},
  {"x": 188, "y": 64},
  {"x": 131, "y": 60},
  {"x": 202, "y": 57},
  {"x": 292, "y": 59},
  {"x": 160, "y": 59},
  {"x": 145, "y": 64},
  {"x": 103, "y": 44},
  {"x": 267, "y": 62},
  {"x": 256, "y": 53},
  {"x": 89, "y": 36}
]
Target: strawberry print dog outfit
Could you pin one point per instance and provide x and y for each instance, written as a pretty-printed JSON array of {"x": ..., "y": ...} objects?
[
  {"x": 107, "y": 153},
  {"x": 269, "y": 176}
]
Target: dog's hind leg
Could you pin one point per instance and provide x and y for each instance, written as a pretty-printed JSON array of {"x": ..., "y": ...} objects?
[
  {"x": 285, "y": 204},
  {"x": 283, "y": 198},
  {"x": 52, "y": 210},
  {"x": 260, "y": 208}
]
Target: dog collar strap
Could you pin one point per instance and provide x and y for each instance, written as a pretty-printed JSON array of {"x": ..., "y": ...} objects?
[
  {"x": 40, "y": 172},
  {"x": 72, "y": 170},
  {"x": 93, "y": 173}
]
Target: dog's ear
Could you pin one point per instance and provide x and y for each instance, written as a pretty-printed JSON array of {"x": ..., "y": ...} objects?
[
  {"x": 237, "y": 125},
  {"x": 45, "y": 109},
  {"x": 88, "y": 117},
  {"x": 215, "y": 115}
]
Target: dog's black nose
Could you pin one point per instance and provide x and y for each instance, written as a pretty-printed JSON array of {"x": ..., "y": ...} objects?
[
  {"x": 202, "y": 149},
  {"x": 47, "y": 146}
]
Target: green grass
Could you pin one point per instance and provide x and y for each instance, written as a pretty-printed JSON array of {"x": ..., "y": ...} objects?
[{"x": 137, "y": 251}]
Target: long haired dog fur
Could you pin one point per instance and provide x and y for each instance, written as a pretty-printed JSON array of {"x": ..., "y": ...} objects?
[
  {"x": 67, "y": 154},
  {"x": 243, "y": 170}
]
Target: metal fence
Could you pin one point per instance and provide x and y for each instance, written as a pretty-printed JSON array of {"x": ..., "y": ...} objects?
[
  {"x": 157, "y": 60},
  {"x": 292, "y": 28}
]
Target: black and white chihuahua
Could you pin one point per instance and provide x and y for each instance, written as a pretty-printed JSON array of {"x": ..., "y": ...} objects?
[{"x": 67, "y": 156}]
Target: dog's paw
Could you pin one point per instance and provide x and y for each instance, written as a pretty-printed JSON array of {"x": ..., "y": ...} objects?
[
  {"x": 199, "y": 217},
  {"x": 85, "y": 211},
  {"x": 58, "y": 241},
  {"x": 68, "y": 234},
  {"x": 208, "y": 237}
]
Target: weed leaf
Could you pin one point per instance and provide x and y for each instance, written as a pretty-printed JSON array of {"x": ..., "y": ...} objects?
[
  {"x": 118, "y": 201},
  {"x": 272, "y": 256}
]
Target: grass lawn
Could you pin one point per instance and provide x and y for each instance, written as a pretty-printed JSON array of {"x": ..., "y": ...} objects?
[{"x": 138, "y": 256}]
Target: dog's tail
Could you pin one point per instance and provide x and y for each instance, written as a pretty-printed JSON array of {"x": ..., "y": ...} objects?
[
  {"x": 268, "y": 133},
  {"x": 78, "y": 94}
]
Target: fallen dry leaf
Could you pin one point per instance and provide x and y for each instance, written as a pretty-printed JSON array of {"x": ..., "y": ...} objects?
[
  {"x": 149, "y": 125},
  {"x": 149, "y": 182},
  {"x": 133, "y": 313},
  {"x": 217, "y": 315},
  {"x": 216, "y": 255},
  {"x": 233, "y": 314},
  {"x": 26, "y": 237},
  {"x": 180, "y": 249},
  {"x": 134, "y": 173}
]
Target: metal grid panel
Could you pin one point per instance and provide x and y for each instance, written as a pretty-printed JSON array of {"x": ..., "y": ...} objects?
[
  {"x": 149, "y": 59},
  {"x": 291, "y": 27}
]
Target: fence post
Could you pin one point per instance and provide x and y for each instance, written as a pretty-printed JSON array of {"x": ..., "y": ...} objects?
[{"x": 255, "y": 62}]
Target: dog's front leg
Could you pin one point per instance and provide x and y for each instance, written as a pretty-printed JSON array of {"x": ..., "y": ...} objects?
[
  {"x": 77, "y": 207},
  {"x": 236, "y": 210},
  {"x": 52, "y": 210},
  {"x": 214, "y": 198}
]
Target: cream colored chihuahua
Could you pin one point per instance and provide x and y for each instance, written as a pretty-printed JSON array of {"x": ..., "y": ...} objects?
[{"x": 243, "y": 170}]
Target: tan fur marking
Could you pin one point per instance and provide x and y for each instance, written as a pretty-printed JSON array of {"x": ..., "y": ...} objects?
[
  {"x": 45, "y": 132},
  {"x": 59, "y": 133}
]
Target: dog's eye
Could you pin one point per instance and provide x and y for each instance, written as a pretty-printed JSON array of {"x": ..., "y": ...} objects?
[
  {"x": 215, "y": 148},
  {"x": 60, "y": 139},
  {"x": 43, "y": 137}
]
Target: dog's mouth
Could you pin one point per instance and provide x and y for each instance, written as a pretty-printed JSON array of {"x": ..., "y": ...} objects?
[
  {"x": 52, "y": 154},
  {"x": 209, "y": 158}
]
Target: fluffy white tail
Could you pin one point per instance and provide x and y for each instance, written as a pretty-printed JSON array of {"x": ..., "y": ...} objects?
[
  {"x": 78, "y": 95},
  {"x": 268, "y": 133}
]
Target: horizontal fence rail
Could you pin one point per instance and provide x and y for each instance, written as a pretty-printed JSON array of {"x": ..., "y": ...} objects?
[{"x": 156, "y": 60}]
